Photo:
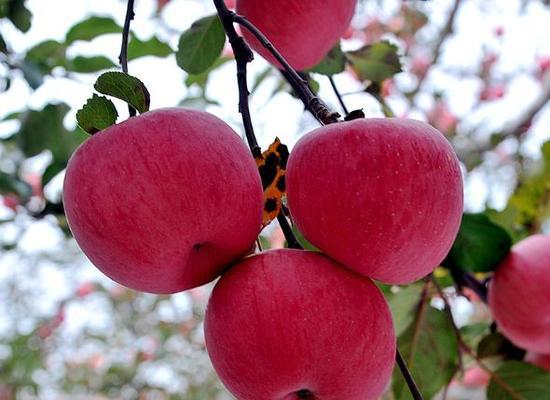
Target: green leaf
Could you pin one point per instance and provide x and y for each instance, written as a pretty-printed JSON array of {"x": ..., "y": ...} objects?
[
  {"x": 11, "y": 184},
  {"x": 517, "y": 380},
  {"x": 32, "y": 74},
  {"x": 3, "y": 46},
  {"x": 495, "y": 344},
  {"x": 403, "y": 305},
  {"x": 17, "y": 13},
  {"x": 480, "y": 245},
  {"x": 529, "y": 206},
  {"x": 302, "y": 240},
  {"x": 97, "y": 114},
  {"x": 430, "y": 349},
  {"x": 262, "y": 76},
  {"x": 124, "y": 87},
  {"x": 89, "y": 64},
  {"x": 46, "y": 56},
  {"x": 202, "y": 79},
  {"x": 44, "y": 130},
  {"x": 53, "y": 170},
  {"x": 91, "y": 28},
  {"x": 333, "y": 63},
  {"x": 197, "y": 102},
  {"x": 376, "y": 62},
  {"x": 201, "y": 45},
  {"x": 152, "y": 47}
]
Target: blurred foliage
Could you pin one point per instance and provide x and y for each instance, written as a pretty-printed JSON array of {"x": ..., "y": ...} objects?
[{"x": 139, "y": 346}]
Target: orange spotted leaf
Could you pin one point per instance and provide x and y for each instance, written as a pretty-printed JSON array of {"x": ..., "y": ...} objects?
[{"x": 272, "y": 167}]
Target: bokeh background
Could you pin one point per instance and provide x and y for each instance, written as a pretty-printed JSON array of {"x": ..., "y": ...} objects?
[{"x": 478, "y": 70}]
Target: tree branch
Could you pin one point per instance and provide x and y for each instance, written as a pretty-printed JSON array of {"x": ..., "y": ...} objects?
[
  {"x": 123, "y": 57},
  {"x": 243, "y": 55},
  {"x": 407, "y": 375},
  {"x": 319, "y": 109},
  {"x": 338, "y": 95}
]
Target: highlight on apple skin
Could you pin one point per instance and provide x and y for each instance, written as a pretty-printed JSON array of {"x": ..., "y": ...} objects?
[
  {"x": 163, "y": 202},
  {"x": 302, "y": 31},
  {"x": 519, "y": 295},
  {"x": 381, "y": 196},
  {"x": 293, "y": 324}
]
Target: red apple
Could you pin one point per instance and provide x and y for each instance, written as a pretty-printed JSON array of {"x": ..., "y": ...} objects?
[
  {"x": 381, "y": 196},
  {"x": 165, "y": 201},
  {"x": 519, "y": 294},
  {"x": 540, "y": 360},
  {"x": 303, "y": 31},
  {"x": 292, "y": 324}
]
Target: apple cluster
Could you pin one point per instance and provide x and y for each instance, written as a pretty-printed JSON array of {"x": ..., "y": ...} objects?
[{"x": 172, "y": 199}]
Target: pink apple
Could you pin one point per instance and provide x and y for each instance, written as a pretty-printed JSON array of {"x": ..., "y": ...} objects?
[
  {"x": 381, "y": 196},
  {"x": 519, "y": 294},
  {"x": 303, "y": 31},
  {"x": 538, "y": 359},
  {"x": 292, "y": 324},
  {"x": 165, "y": 201},
  {"x": 476, "y": 376}
]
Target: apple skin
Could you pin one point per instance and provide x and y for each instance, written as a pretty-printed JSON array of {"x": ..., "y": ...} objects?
[
  {"x": 302, "y": 31},
  {"x": 286, "y": 321},
  {"x": 165, "y": 201},
  {"x": 540, "y": 360},
  {"x": 381, "y": 196},
  {"x": 519, "y": 294}
]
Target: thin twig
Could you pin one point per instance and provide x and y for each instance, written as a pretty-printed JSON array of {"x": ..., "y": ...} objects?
[
  {"x": 449, "y": 312},
  {"x": 243, "y": 55},
  {"x": 491, "y": 373},
  {"x": 320, "y": 110},
  {"x": 408, "y": 377},
  {"x": 338, "y": 95},
  {"x": 463, "y": 278},
  {"x": 123, "y": 57}
]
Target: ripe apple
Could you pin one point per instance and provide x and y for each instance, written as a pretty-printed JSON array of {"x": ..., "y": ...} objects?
[
  {"x": 519, "y": 294},
  {"x": 165, "y": 201},
  {"x": 381, "y": 196},
  {"x": 302, "y": 31},
  {"x": 293, "y": 324},
  {"x": 538, "y": 359}
]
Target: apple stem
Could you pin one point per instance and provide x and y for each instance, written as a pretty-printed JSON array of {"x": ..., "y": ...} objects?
[
  {"x": 338, "y": 95},
  {"x": 243, "y": 55},
  {"x": 415, "y": 392},
  {"x": 123, "y": 56}
]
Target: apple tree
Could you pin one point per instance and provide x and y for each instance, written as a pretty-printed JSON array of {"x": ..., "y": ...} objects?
[{"x": 358, "y": 189}]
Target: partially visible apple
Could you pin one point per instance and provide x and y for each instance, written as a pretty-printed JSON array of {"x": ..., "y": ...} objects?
[
  {"x": 519, "y": 294},
  {"x": 538, "y": 359},
  {"x": 303, "y": 31},
  {"x": 293, "y": 324},
  {"x": 165, "y": 201},
  {"x": 381, "y": 196}
]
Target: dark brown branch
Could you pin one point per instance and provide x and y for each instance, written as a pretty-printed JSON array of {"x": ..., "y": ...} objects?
[
  {"x": 123, "y": 57},
  {"x": 243, "y": 55},
  {"x": 319, "y": 109}
]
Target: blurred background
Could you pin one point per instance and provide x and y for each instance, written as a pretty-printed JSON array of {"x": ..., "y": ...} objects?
[{"x": 478, "y": 70}]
